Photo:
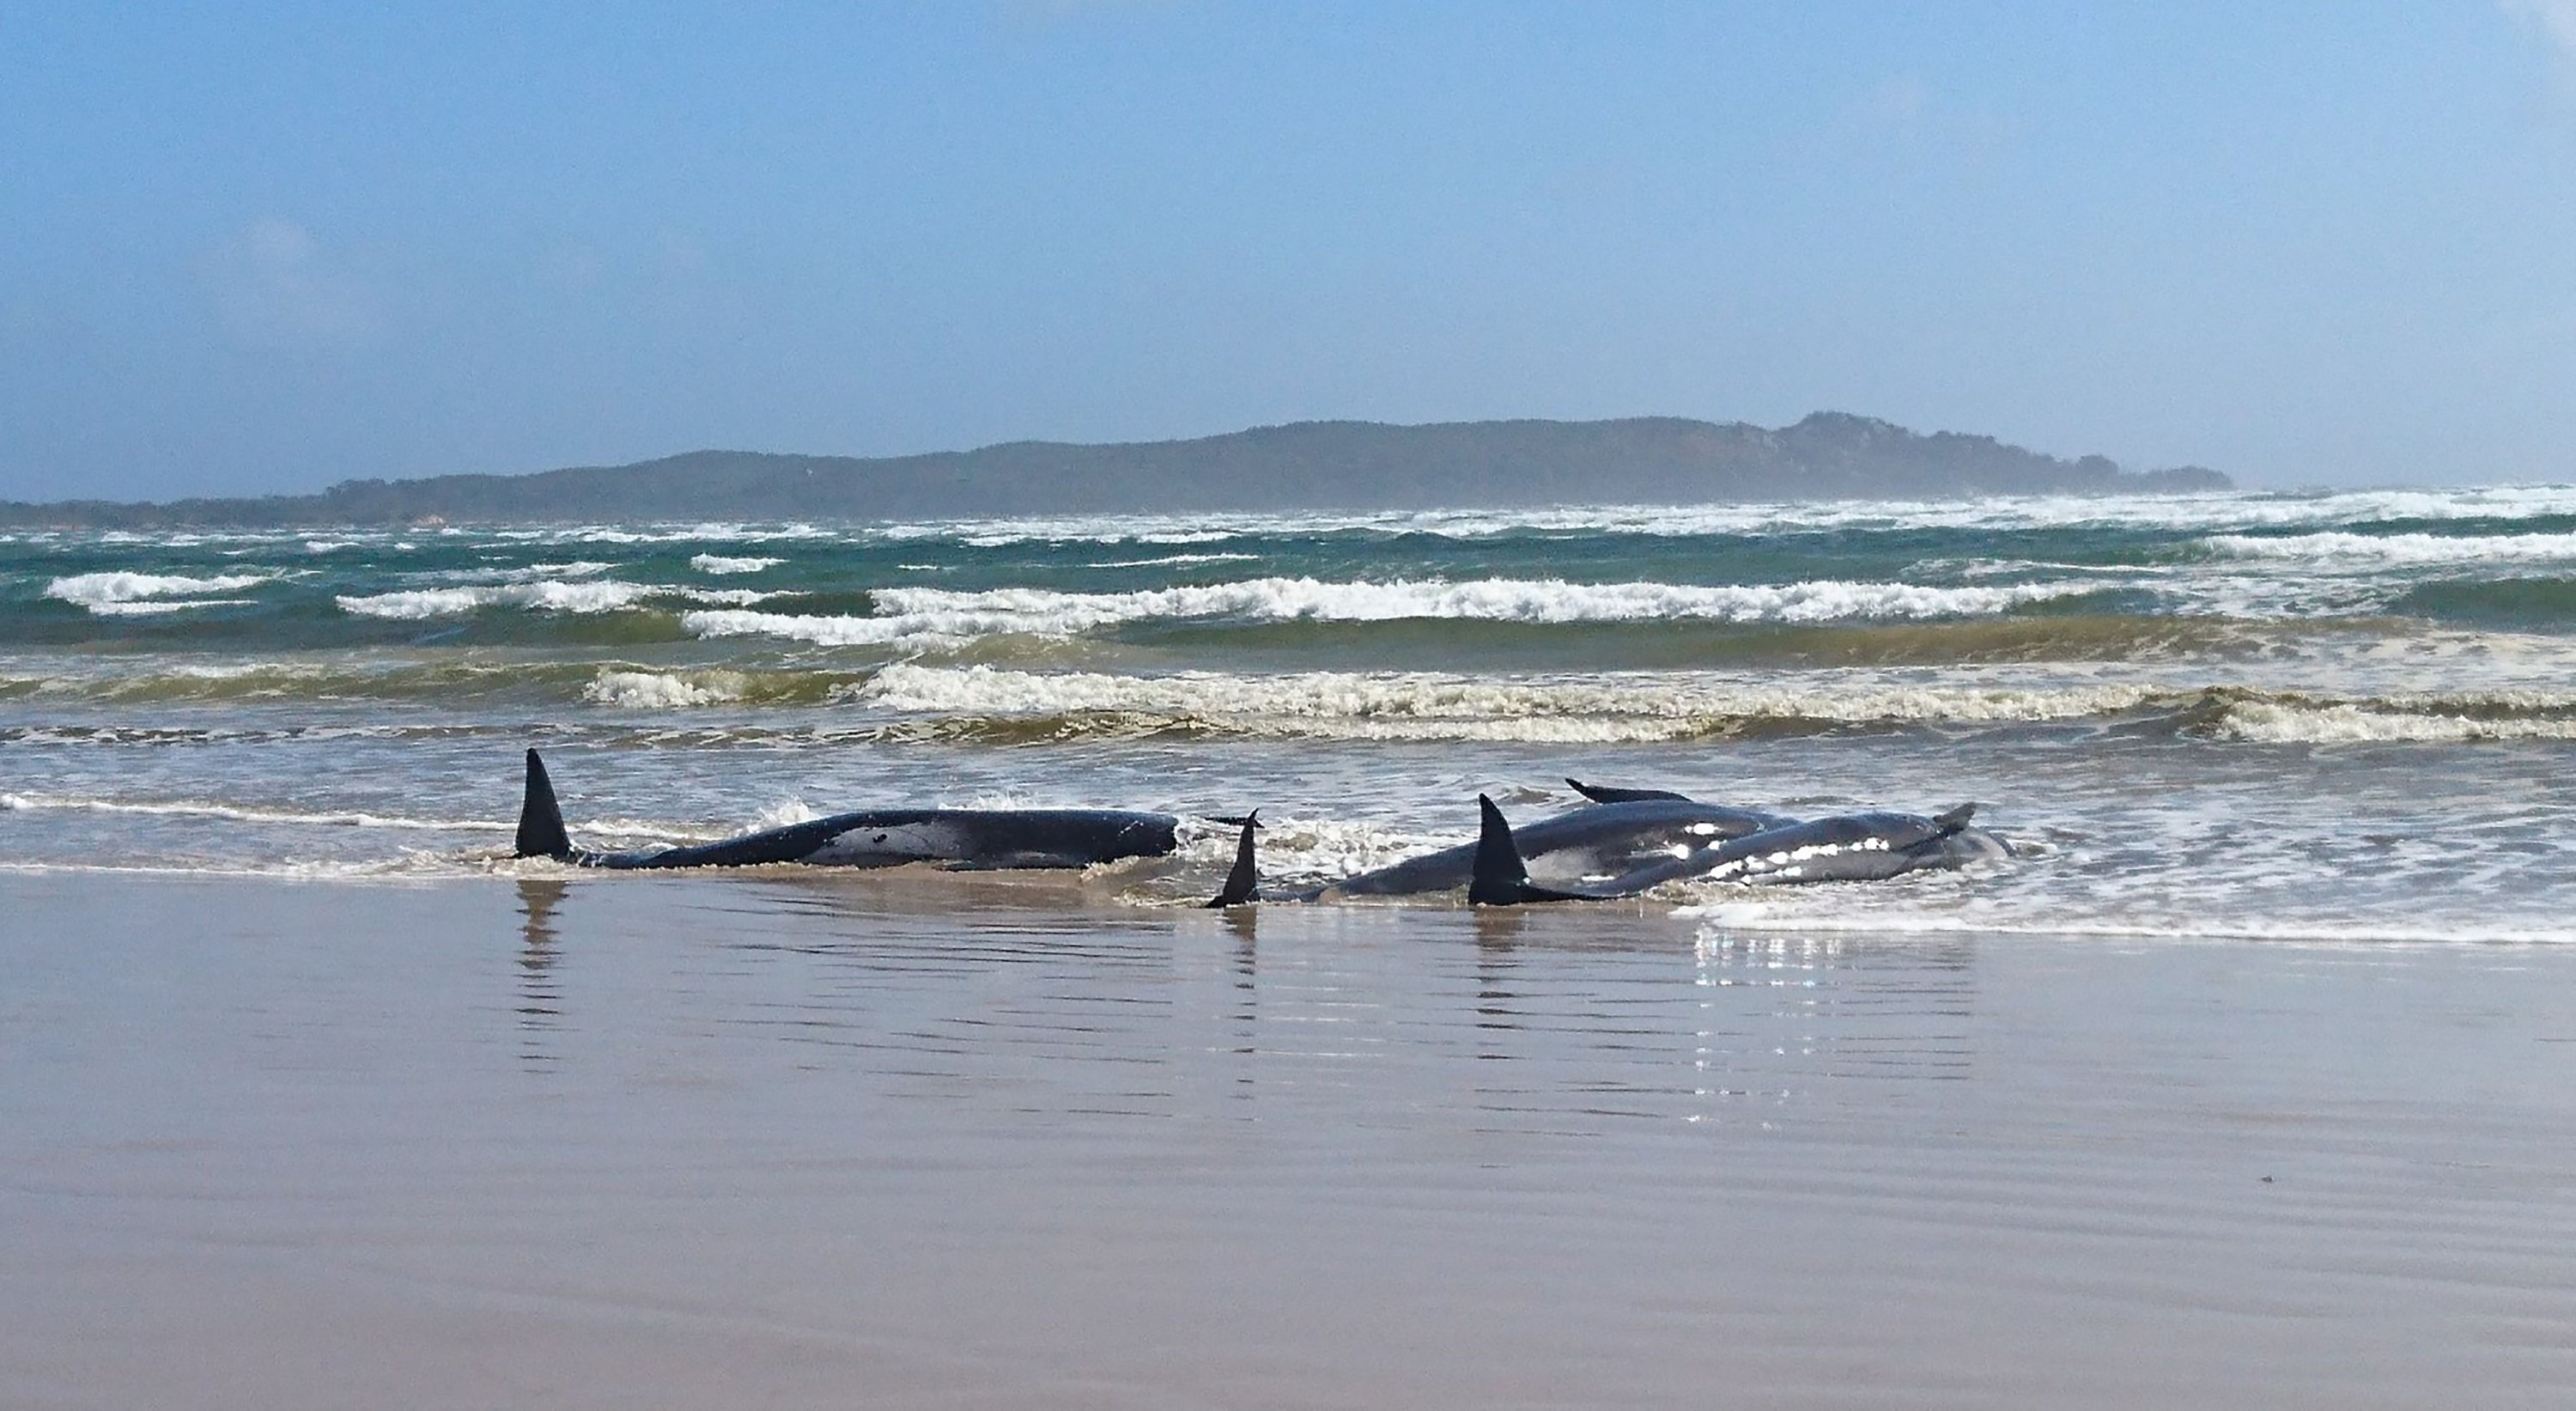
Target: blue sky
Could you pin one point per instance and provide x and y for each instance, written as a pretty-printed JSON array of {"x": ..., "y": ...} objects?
[{"x": 265, "y": 247}]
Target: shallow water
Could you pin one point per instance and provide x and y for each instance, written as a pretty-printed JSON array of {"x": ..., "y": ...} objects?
[
  {"x": 2280, "y": 715},
  {"x": 724, "y": 1141}
]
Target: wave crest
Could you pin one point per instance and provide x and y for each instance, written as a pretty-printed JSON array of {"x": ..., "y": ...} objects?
[
  {"x": 654, "y": 690},
  {"x": 549, "y": 595},
  {"x": 925, "y": 617},
  {"x": 133, "y": 594},
  {"x": 986, "y": 701},
  {"x": 2364, "y": 551},
  {"x": 720, "y": 564},
  {"x": 2304, "y": 722}
]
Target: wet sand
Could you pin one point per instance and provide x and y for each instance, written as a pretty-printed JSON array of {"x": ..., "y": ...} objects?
[{"x": 732, "y": 1142}]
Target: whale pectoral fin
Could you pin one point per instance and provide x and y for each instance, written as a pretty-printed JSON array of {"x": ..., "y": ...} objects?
[
  {"x": 541, "y": 825},
  {"x": 1956, "y": 818},
  {"x": 1243, "y": 883}
]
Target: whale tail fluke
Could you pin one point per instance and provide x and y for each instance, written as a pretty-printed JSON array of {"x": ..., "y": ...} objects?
[
  {"x": 541, "y": 825},
  {"x": 1501, "y": 878},
  {"x": 1243, "y": 884}
]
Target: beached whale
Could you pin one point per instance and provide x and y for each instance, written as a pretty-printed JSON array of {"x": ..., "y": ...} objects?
[
  {"x": 1849, "y": 847},
  {"x": 976, "y": 838},
  {"x": 1631, "y": 829}
]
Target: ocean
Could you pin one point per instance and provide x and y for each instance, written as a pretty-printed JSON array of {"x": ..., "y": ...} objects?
[
  {"x": 2249, "y": 1080},
  {"x": 2333, "y": 716}
]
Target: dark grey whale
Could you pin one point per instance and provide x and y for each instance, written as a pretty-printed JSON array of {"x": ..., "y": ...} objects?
[
  {"x": 1635, "y": 829},
  {"x": 1849, "y": 847},
  {"x": 974, "y": 838}
]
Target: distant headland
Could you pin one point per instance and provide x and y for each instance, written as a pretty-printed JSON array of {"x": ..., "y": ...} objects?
[{"x": 1311, "y": 465}]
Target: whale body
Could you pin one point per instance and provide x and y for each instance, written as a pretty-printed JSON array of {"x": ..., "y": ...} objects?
[
  {"x": 1846, "y": 847},
  {"x": 966, "y": 838},
  {"x": 1849, "y": 847},
  {"x": 1603, "y": 839}
]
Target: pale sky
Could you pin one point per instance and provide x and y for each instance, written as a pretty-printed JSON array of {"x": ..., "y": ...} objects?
[{"x": 251, "y": 247}]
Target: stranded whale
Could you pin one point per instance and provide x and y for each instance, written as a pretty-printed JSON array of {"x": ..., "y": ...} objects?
[
  {"x": 1665, "y": 837},
  {"x": 878, "y": 837},
  {"x": 1849, "y": 847},
  {"x": 1631, "y": 829}
]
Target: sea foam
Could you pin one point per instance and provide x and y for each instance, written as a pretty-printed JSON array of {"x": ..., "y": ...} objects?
[
  {"x": 2350, "y": 723},
  {"x": 131, "y": 594},
  {"x": 654, "y": 690},
  {"x": 921, "y": 616},
  {"x": 1624, "y": 707},
  {"x": 2207, "y": 512},
  {"x": 2336, "y": 549},
  {"x": 607, "y": 595},
  {"x": 719, "y": 564}
]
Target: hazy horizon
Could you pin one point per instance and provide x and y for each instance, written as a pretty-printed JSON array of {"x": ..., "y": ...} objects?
[{"x": 265, "y": 249}]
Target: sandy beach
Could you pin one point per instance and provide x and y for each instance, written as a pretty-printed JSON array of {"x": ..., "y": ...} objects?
[{"x": 898, "y": 1141}]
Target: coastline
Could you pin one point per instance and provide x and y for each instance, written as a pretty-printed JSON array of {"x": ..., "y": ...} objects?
[{"x": 733, "y": 1141}]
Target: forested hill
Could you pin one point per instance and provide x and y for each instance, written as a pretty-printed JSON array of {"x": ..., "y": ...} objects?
[{"x": 1307, "y": 465}]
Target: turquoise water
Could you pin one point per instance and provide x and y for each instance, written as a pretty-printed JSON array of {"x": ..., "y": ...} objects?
[{"x": 2190, "y": 709}]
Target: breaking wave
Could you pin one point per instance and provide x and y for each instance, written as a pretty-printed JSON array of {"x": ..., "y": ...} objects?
[
  {"x": 2295, "y": 721},
  {"x": 655, "y": 690},
  {"x": 929, "y": 616},
  {"x": 1410, "y": 705},
  {"x": 546, "y": 595},
  {"x": 135, "y": 594},
  {"x": 522, "y": 573},
  {"x": 2217, "y": 512},
  {"x": 2367, "y": 551},
  {"x": 996, "y": 705},
  {"x": 550, "y": 595},
  {"x": 719, "y": 564}
]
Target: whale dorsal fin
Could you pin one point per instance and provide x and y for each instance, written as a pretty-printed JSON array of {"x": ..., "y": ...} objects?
[
  {"x": 1501, "y": 878},
  {"x": 1500, "y": 874},
  {"x": 541, "y": 825},
  {"x": 1243, "y": 884}
]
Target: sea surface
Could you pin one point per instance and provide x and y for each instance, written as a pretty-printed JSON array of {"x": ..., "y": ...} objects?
[{"x": 2328, "y": 716}]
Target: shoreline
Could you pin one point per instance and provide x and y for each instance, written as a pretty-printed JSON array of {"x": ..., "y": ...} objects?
[
  {"x": 760, "y": 1143},
  {"x": 925, "y": 889}
]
